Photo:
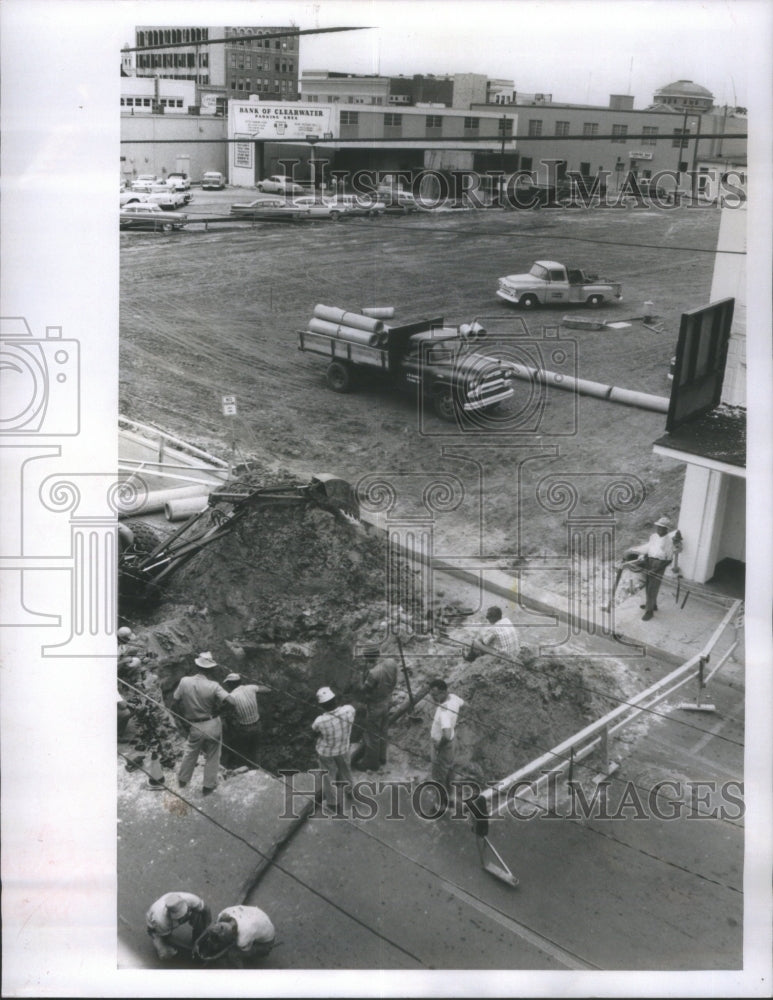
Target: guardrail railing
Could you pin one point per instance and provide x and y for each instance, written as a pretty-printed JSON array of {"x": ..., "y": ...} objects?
[{"x": 597, "y": 735}]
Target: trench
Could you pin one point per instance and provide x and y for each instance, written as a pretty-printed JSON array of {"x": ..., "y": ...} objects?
[{"x": 299, "y": 591}]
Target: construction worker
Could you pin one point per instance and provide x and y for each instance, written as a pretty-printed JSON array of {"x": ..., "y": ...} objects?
[
  {"x": 443, "y": 737},
  {"x": 499, "y": 637},
  {"x": 243, "y": 720},
  {"x": 653, "y": 557},
  {"x": 201, "y": 698},
  {"x": 333, "y": 728},
  {"x": 171, "y": 911},
  {"x": 377, "y": 687},
  {"x": 240, "y": 933}
]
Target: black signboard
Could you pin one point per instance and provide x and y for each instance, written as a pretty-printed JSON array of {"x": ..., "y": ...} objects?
[{"x": 701, "y": 355}]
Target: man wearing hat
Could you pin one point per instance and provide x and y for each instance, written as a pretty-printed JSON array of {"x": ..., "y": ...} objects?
[
  {"x": 334, "y": 729},
  {"x": 654, "y": 556},
  {"x": 243, "y": 720},
  {"x": 200, "y": 700},
  {"x": 171, "y": 911}
]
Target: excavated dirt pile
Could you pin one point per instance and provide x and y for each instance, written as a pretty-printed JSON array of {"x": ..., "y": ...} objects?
[
  {"x": 298, "y": 589},
  {"x": 512, "y": 713}
]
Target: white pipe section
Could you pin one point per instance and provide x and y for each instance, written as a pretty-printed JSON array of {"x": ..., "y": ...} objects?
[
  {"x": 181, "y": 510},
  {"x": 158, "y": 499},
  {"x": 349, "y": 333},
  {"x": 628, "y": 397},
  {"x": 379, "y": 312},
  {"x": 335, "y": 315}
]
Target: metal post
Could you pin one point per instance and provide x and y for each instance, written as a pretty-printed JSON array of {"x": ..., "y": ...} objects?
[
  {"x": 605, "y": 749},
  {"x": 695, "y": 159}
]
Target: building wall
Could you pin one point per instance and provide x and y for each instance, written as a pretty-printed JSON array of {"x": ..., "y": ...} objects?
[
  {"x": 540, "y": 124},
  {"x": 323, "y": 87},
  {"x": 149, "y": 157},
  {"x": 243, "y": 67},
  {"x": 729, "y": 281},
  {"x": 264, "y": 66},
  {"x": 138, "y": 95},
  {"x": 732, "y": 541},
  {"x": 469, "y": 88}
]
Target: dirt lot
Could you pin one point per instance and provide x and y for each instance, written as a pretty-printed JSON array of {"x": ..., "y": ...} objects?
[{"x": 205, "y": 314}]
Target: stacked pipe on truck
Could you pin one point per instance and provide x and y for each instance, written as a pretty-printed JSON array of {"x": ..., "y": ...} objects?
[{"x": 350, "y": 333}]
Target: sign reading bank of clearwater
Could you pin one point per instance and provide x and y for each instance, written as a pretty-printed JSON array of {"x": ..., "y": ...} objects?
[{"x": 280, "y": 121}]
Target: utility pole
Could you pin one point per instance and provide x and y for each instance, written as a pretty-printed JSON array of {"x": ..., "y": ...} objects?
[{"x": 695, "y": 157}]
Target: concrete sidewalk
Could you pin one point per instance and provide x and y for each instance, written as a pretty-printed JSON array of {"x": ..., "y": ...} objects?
[
  {"x": 638, "y": 891},
  {"x": 409, "y": 893}
]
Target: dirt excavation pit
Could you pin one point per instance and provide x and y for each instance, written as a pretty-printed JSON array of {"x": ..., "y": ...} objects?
[{"x": 300, "y": 590}]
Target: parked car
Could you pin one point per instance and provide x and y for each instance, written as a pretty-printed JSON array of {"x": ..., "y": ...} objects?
[
  {"x": 212, "y": 180},
  {"x": 357, "y": 204},
  {"x": 317, "y": 209},
  {"x": 179, "y": 181},
  {"x": 144, "y": 182},
  {"x": 148, "y": 215},
  {"x": 397, "y": 199},
  {"x": 270, "y": 210},
  {"x": 132, "y": 197},
  {"x": 168, "y": 198},
  {"x": 280, "y": 184}
]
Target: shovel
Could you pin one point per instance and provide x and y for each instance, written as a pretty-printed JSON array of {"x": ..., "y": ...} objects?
[
  {"x": 500, "y": 871},
  {"x": 414, "y": 716}
]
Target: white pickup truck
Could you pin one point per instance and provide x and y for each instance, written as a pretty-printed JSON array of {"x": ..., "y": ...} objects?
[{"x": 549, "y": 282}]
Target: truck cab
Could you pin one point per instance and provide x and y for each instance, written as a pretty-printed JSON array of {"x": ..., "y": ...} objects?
[{"x": 548, "y": 282}]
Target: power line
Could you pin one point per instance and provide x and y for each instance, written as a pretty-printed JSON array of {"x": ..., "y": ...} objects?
[{"x": 236, "y": 39}]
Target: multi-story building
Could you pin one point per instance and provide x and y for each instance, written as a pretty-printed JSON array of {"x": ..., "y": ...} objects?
[
  {"x": 677, "y": 133},
  {"x": 237, "y": 61},
  {"x": 323, "y": 87},
  {"x": 351, "y": 137}
]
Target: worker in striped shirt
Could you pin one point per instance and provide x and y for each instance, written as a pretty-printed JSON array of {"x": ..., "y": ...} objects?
[
  {"x": 334, "y": 729},
  {"x": 243, "y": 722},
  {"x": 500, "y": 637}
]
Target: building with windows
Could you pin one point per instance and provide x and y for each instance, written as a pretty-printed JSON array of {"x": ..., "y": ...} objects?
[
  {"x": 236, "y": 61},
  {"x": 343, "y": 88},
  {"x": 351, "y": 137},
  {"x": 619, "y": 141},
  {"x": 156, "y": 96}
]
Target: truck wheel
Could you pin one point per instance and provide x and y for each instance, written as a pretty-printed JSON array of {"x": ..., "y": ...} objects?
[
  {"x": 339, "y": 377},
  {"x": 594, "y": 301},
  {"x": 146, "y": 538},
  {"x": 443, "y": 404},
  {"x": 528, "y": 301}
]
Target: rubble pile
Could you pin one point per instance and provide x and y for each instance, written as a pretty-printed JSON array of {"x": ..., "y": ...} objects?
[
  {"x": 298, "y": 589},
  {"x": 513, "y": 712}
]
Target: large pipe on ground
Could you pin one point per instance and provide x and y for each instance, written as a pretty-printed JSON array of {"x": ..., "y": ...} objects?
[
  {"x": 351, "y": 319},
  {"x": 628, "y": 397},
  {"x": 156, "y": 501},
  {"x": 348, "y": 333},
  {"x": 181, "y": 510}
]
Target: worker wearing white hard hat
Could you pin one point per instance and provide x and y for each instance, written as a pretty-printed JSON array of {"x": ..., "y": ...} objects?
[
  {"x": 334, "y": 729},
  {"x": 654, "y": 556}
]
